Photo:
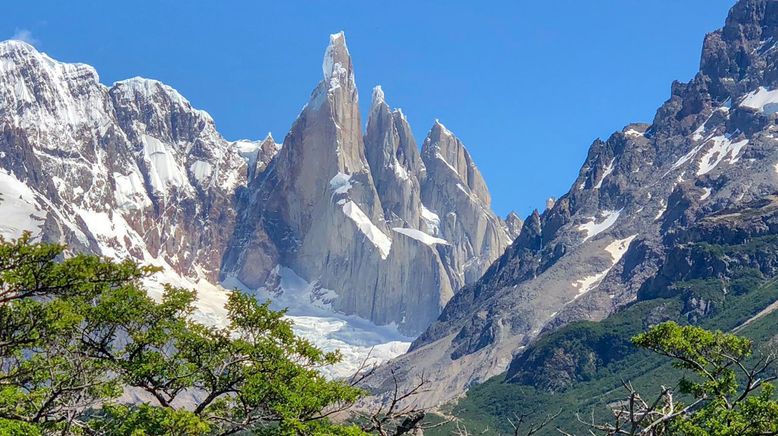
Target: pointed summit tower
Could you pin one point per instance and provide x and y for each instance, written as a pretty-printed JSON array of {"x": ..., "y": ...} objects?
[
  {"x": 395, "y": 162},
  {"x": 345, "y": 211},
  {"x": 455, "y": 190}
]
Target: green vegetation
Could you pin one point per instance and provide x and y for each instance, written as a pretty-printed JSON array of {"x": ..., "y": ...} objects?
[
  {"x": 77, "y": 333},
  {"x": 580, "y": 369},
  {"x": 720, "y": 405}
]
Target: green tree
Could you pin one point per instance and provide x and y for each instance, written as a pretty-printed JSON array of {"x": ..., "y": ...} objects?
[
  {"x": 729, "y": 387},
  {"x": 77, "y": 332},
  {"x": 45, "y": 378},
  {"x": 730, "y": 396}
]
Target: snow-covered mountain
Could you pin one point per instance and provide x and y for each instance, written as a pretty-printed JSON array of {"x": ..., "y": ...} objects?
[
  {"x": 712, "y": 148},
  {"x": 364, "y": 229}
]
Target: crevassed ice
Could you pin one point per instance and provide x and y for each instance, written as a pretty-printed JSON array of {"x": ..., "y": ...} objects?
[
  {"x": 164, "y": 171},
  {"x": 340, "y": 183},
  {"x": 314, "y": 319},
  {"x": 130, "y": 192}
]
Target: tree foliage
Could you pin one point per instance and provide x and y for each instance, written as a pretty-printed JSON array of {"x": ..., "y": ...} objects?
[
  {"x": 78, "y": 334},
  {"x": 729, "y": 388}
]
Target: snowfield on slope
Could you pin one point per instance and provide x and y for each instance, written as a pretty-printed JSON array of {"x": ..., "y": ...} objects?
[
  {"x": 309, "y": 308},
  {"x": 19, "y": 209},
  {"x": 594, "y": 226}
]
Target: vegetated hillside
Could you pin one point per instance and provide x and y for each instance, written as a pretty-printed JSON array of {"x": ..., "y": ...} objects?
[
  {"x": 712, "y": 147},
  {"x": 721, "y": 274}
]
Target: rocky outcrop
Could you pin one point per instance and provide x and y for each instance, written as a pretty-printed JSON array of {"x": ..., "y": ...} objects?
[
  {"x": 456, "y": 192},
  {"x": 711, "y": 147},
  {"x": 395, "y": 163},
  {"x": 717, "y": 271},
  {"x": 513, "y": 224}
]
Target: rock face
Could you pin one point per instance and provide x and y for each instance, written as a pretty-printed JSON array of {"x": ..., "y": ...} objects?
[
  {"x": 130, "y": 170},
  {"x": 133, "y": 170},
  {"x": 711, "y": 148},
  {"x": 349, "y": 212}
]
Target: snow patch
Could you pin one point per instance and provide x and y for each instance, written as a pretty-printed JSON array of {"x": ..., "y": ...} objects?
[
  {"x": 686, "y": 158},
  {"x": 762, "y": 100},
  {"x": 442, "y": 159},
  {"x": 616, "y": 249},
  {"x": 705, "y": 193},
  {"x": 698, "y": 133},
  {"x": 606, "y": 173},
  {"x": 201, "y": 170},
  {"x": 399, "y": 170},
  {"x": 661, "y": 211},
  {"x": 594, "y": 227},
  {"x": 588, "y": 283},
  {"x": 373, "y": 233},
  {"x": 432, "y": 220},
  {"x": 722, "y": 147},
  {"x": 340, "y": 183},
  {"x": 19, "y": 209},
  {"x": 130, "y": 192},
  {"x": 420, "y": 236}
]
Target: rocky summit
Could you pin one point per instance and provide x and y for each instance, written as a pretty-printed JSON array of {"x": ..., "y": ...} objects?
[
  {"x": 710, "y": 152},
  {"x": 373, "y": 226}
]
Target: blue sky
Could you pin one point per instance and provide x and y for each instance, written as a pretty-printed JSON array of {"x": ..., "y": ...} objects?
[{"x": 527, "y": 85}]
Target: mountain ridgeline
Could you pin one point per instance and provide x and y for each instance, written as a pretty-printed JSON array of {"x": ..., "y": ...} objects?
[
  {"x": 705, "y": 169},
  {"x": 134, "y": 171},
  {"x": 669, "y": 220}
]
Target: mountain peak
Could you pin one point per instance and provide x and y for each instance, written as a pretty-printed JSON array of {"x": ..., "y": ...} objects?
[
  {"x": 513, "y": 224},
  {"x": 337, "y": 61},
  {"x": 338, "y": 38},
  {"x": 378, "y": 96},
  {"x": 439, "y": 129},
  {"x": 23, "y": 53},
  {"x": 142, "y": 86},
  {"x": 149, "y": 90},
  {"x": 16, "y": 45}
]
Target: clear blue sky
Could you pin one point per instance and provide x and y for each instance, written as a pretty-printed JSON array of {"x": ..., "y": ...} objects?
[{"x": 527, "y": 85}]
